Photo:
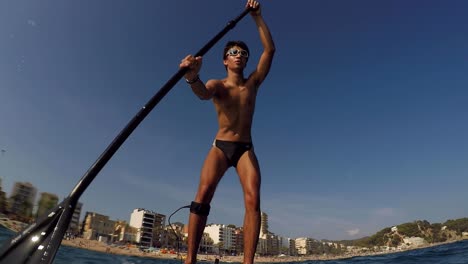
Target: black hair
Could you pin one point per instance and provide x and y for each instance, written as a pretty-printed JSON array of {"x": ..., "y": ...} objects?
[{"x": 234, "y": 43}]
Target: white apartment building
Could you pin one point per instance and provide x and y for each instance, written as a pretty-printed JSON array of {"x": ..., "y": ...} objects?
[
  {"x": 222, "y": 234},
  {"x": 98, "y": 227},
  {"x": 303, "y": 245},
  {"x": 149, "y": 225}
]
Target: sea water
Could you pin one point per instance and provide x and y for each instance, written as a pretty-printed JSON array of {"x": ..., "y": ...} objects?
[{"x": 453, "y": 253}]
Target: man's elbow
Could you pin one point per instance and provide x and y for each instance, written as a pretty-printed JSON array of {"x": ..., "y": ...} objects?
[
  {"x": 204, "y": 96},
  {"x": 270, "y": 51}
]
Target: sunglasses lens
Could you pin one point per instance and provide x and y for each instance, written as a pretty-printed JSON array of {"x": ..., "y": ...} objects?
[{"x": 234, "y": 52}]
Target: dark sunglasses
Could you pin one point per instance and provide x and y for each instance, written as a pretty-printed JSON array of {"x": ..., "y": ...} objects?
[{"x": 234, "y": 52}]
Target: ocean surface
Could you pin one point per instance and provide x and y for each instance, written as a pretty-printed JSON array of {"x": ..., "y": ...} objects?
[{"x": 454, "y": 253}]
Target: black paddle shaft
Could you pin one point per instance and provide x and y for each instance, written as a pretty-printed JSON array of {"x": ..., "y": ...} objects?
[
  {"x": 39, "y": 242},
  {"x": 125, "y": 133}
]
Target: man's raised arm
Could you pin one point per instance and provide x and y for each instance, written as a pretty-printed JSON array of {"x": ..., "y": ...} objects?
[{"x": 266, "y": 58}]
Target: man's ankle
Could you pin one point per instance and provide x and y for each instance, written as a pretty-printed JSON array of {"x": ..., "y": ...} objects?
[{"x": 190, "y": 260}]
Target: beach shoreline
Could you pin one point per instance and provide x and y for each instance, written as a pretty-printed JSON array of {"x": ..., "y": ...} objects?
[
  {"x": 132, "y": 250},
  {"x": 98, "y": 246}
]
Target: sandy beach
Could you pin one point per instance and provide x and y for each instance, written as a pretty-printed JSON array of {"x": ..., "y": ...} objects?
[
  {"x": 12, "y": 225},
  {"x": 134, "y": 251},
  {"x": 131, "y": 250}
]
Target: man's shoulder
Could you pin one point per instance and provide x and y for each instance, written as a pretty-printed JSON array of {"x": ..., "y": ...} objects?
[{"x": 215, "y": 83}]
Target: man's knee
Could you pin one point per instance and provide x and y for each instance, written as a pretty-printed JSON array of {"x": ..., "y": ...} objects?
[
  {"x": 202, "y": 209},
  {"x": 252, "y": 202}
]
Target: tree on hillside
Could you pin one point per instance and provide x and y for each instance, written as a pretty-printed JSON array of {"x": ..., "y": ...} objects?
[
  {"x": 409, "y": 230},
  {"x": 378, "y": 239},
  {"x": 395, "y": 240},
  {"x": 458, "y": 225},
  {"x": 424, "y": 224}
]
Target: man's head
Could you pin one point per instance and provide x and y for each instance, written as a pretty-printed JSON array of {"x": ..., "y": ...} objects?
[{"x": 234, "y": 49}]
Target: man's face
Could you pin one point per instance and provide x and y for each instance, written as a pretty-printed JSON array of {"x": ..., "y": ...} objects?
[{"x": 236, "y": 57}]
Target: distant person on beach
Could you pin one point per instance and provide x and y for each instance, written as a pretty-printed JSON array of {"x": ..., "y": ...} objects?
[{"x": 234, "y": 100}]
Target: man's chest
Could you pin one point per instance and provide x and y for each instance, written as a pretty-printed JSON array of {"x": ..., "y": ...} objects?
[{"x": 237, "y": 94}]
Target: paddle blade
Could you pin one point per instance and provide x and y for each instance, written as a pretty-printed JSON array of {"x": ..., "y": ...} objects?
[{"x": 40, "y": 241}]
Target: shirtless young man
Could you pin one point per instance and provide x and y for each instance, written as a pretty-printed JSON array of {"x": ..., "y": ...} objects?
[{"x": 234, "y": 100}]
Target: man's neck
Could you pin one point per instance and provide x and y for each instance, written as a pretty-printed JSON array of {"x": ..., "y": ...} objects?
[{"x": 236, "y": 78}]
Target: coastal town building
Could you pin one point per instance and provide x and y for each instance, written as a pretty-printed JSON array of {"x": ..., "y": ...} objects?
[
  {"x": 262, "y": 245},
  {"x": 263, "y": 223},
  {"x": 98, "y": 227},
  {"x": 292, "y": 247},
  {"x": 3, "y": 199},
  {"x": 123, "y": 232},
  {"x": 268, "y": 242},
  {"x": 207, "y": 245},
  {"x": 174, "y": 234},
  {"x": 285, "y": 246},
  {"x": 47, "y": 201},
  {"x": 273, "y": 244},
  {"x": 268, "y": 245},
  {"x": 149, "y": 225},
  {"x": 414, "y": 241},
  {"x": 224, "y": 237},
  {"x": 21, "y": 201},
  {"x": 74, "y": 226},
  {"x": 303, "y": 245},
  {"x": 239, "y": 233}
]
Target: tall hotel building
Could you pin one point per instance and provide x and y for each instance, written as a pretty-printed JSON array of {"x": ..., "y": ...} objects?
[
  {"x": 268, "y": 243},
  {"x": 22, "y": 199},
  {"x": 264, "y": 224},
  {"x": 3, "y": 200},
  {"x": 222, "y": 234},
  {"x": 303, "y": 245},
  {"x": 74, "y": 226},
  {"x": 149, "y": 225}
]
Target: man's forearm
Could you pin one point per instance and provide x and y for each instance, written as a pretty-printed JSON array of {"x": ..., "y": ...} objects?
[
  {"x": 200, "y": 90},
  {"x": 265, "y": 35}
]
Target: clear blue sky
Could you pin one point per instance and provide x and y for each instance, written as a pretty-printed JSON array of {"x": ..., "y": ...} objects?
[{"x": 361, "y": 124}]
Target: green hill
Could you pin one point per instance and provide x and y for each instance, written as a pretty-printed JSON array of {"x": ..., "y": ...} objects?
[{"x": 431, "y": 233}]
